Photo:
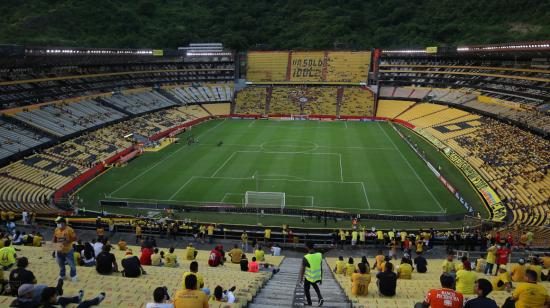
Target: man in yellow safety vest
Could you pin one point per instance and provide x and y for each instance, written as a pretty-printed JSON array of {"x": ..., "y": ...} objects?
[{"x": 311, "y": 273}]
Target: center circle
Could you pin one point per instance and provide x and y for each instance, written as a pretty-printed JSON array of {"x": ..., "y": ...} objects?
[{"x": 289, "y": 146}]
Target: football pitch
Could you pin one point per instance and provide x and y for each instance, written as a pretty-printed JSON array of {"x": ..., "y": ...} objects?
[{"x": 357, "y": 167}]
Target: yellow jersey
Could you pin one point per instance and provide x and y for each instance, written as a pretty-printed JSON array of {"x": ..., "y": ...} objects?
[
  {"x": 170, "y": 260},
  {"x": 518, "y": 272},
  {"x": 200, "y": 280},
  {"x": 342, "y": 235},
  {"x": 65, "y": 237},
  {"x": 448, "y": 266},
  {"x": 350, "y": 269},
  {"x": 190, "y": 253},
  {"x": 379, "y": 260},
  {"x": 405, "y": 271},
  {"x": 7, "y": 256},
  {"x": 502, "y": 278},
  {"x": 236, "y": 255},
  {"x": 37, "y": 241},
  {"x": 491, "y": 255},
  {"x": 340, "y": 266},
  {"x": 360, "y": 284},
  {"x": 529, "y": 295},
  {"x": 465, "y": 281},
  {"x": 155, "y": 259},
  {"x": 260, "y": 255},
  {"x": 190, "y": 298}
]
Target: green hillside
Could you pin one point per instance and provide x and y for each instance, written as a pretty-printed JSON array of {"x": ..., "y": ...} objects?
[{"x": 272, "y": 24}]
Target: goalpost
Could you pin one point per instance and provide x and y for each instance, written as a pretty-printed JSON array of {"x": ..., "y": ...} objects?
[{"x": 264, "y": 199}]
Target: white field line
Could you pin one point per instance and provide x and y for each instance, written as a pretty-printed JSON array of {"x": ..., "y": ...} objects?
[
  {"x": 181, "y": 187},
  {"x": 298, "y": 146},
  {"x": 366, "y": 196},
  {"x": 160, "y": 161},
  {"x": 346, "y": 122},
  {"x": 341, "y": 168},
  {"x": 412, "y": 169},
  {"x": 224, "y": 163},
  {"x": 268, "y": 179},
  {"x": 288, "y": 205},
  {"x": 233, "y": 154},
  {"x": 251, "y": 123}
]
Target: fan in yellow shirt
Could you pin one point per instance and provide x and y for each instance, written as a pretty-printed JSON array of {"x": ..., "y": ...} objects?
[
  {"x": 404, "y": 271},
  {"x": 360, "y": 281},
  {"x": 259, "y": 254},
  {"x": 190, "y": 252},
  {"x": 194, "y": 270},
  {"x": 379, "y": 259},
  {"x": 190, "y": 296},
  {"x": 502, "y": 281},
  {"x": 466, "y": 279},
  {"x": 518, "y": 271},
  {"x": 37, "y": 240},
  {"x": 350, "y": 268},
  {"x": 236, "y": 254},
  {"x": 362, "y": 236},
  {"x": 491, "y": 259},
  {"x": 340, "y": 266},
  {"x": 448, "y": 265},
  {"x": 419, "y": 246},
  {"x": 170, "y": 259},
  {"x": 529, "y": 294}
]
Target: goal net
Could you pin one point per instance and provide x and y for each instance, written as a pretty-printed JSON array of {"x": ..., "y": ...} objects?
[{"x": 264, "y": 199}]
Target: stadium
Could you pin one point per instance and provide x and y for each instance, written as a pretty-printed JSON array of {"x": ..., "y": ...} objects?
[{"x": 386, "y": 151}]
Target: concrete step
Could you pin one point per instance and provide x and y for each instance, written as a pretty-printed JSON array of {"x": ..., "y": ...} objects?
[{"x": 284, "y": 290}]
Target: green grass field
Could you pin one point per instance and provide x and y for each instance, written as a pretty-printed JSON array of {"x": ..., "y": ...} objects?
[{"x": 350, "y": 166}]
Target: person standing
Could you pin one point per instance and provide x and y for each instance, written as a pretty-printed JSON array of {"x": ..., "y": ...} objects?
[
  {"x": 502, "y": 256},
  {"x": 244, "y": 240},
  {"x": 311, "y": 273},
  {"x": 64, "y": 236},
  {"x": 138, "y": 233}
]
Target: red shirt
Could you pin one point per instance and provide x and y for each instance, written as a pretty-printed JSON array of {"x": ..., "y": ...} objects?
[
  {"x": 215, "y": 258},
  {"x": 502, "y": 255},
  {"x": 145, "y": 258},
  {"x": 406, "y": 244},
  {"x": 444, "y": 298}
]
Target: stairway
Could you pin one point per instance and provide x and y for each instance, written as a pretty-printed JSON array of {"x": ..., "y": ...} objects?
[{"x": 284, "y": 289}]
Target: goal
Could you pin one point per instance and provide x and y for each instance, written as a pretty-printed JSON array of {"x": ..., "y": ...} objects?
[
  {"x": 264, "y": 199},
  {"x": 299, "y": 117}
]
